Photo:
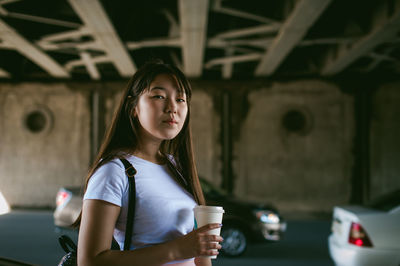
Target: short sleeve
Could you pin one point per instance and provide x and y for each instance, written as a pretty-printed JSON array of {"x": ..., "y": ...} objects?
[{"x": 108, "y": 183}]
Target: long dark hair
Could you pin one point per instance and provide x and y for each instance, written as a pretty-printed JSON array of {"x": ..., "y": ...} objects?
[{"x": 122, "y": 135}]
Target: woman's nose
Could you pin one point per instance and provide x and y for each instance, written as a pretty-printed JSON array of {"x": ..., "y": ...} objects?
[{"x": 171, "y": 106}]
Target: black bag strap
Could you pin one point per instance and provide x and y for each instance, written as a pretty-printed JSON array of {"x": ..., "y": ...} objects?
[
  {"x": 67, "y": 244},
  {"x": 130, "y": 173}
]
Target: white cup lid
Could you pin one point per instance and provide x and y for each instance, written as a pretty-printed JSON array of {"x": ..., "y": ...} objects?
[{"x": 203, "y": 208}]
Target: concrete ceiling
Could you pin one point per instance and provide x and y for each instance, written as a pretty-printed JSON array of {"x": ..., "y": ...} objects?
[{"x": 210, "y": 39}]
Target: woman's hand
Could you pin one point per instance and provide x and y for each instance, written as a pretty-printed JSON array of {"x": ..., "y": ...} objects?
[{"x": 198, "y": 243}]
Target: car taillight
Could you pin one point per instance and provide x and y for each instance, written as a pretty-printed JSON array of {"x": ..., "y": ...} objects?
[
  {"x": 62, "y": 197},
  {"x": 358, "y": 236}
]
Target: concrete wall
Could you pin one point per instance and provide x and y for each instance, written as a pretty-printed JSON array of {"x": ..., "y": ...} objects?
[
  {"x": 34, "y": 165},
  {"x": 206, "y": 131},
  {"x": 385, "y": 140},
  {"x": 308, "y": 170}
]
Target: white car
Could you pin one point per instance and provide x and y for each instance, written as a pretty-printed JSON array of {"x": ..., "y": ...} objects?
[{"x": 368, "y": 235}]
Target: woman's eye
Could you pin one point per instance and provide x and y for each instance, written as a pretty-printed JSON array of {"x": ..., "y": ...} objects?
[
  {"x": 181, "y": 100},
  {"x": 158, "y": 97}
]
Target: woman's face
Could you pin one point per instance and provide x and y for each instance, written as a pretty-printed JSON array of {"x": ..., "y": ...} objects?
[{"x": 161, "y": 110}]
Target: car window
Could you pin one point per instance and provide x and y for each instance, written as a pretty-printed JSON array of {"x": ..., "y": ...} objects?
[{"x": 386, "y": 202}]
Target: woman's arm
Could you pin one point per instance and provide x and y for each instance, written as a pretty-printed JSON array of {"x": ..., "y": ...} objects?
[
  {"x": 96, "y": 231},
  {"x": 202, "y": 262}
]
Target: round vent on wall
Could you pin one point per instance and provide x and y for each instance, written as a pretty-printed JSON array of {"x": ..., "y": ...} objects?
[
  {"x": 297, "y": 121},
  {"x": 38, "y": 120}
]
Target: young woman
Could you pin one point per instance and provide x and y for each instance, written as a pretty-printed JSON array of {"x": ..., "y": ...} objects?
[{"x": 151, "y": 129}]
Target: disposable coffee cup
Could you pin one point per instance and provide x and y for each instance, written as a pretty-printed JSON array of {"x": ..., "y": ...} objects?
[{"x": 209, "y": 215}]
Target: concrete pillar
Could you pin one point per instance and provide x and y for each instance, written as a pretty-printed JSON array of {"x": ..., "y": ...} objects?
[{"x": 44, "y": 129}]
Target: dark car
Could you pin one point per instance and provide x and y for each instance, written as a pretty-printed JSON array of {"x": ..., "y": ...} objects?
[
  {"x": 12, "y": 262},
  {"x": 243, "y": 222}
]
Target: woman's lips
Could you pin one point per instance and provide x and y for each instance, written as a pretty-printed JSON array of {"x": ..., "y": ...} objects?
[{"x": 170, "y": 122}]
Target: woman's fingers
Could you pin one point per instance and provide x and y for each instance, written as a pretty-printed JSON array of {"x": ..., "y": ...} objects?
[
  {"x": 209, "y": 227},
  {"x": 211, "y": 238},
  {"x": 213, "y": 245},
  {"x": 209, "y": 249},
  {"x": 201, "y": 242},
  {"x": 210, "y": 252}
]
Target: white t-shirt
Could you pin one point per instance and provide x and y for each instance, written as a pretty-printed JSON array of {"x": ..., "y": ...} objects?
[{"x": 163, "y": 211}]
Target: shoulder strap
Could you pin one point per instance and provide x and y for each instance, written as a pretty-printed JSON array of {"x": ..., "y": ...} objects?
[{"x": 130, "y": 173}]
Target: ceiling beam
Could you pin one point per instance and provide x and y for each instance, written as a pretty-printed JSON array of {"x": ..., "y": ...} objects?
[
  {"x": 383, "y": 30},
  {"x": 96, "y": 20},
  {"x": 14, "y": 40},
  {"x": 233, "y": 59},
  {"x": 163, "y": 42},
  {"x": 4, "y": 74},
  {"x": 90, "y": 66},
  {"x": 43, "y": 20},
  {"x": 305, "y": 13},
  {"x": 217, "y": 7},
  {"x": 193, "y": 17},
  {"x": 240, "y": 33},
  {"x": 227, "y": 68}
]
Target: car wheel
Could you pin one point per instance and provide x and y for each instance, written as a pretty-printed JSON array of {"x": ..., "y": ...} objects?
[{"x": 235, "y": 241}]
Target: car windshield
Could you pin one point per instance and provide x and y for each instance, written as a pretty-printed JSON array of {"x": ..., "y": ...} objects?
[
  {"x": 211, "y": 190},
  {"x": 386, "y": 202}
]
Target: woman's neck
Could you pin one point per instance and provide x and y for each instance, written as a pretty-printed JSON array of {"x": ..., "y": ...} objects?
[
  {"x": 150, "y": 153},
  {"x": 148, "y": 147}
]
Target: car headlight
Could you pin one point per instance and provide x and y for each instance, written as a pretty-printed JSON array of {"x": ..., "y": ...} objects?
[{"x": 267, "y": 217}]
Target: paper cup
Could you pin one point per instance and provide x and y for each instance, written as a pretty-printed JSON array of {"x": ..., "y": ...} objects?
[{"x": 208, "y": 215}]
